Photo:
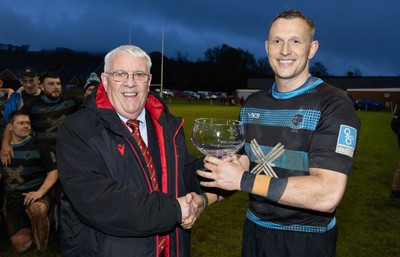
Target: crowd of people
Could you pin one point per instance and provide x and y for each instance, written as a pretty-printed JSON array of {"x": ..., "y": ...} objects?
[
  {"x": 113, "y": 174},
  {"x": 30, "y": 189}
]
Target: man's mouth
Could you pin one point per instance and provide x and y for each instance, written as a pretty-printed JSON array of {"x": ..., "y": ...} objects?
[
  {"x": 127, "y": 94},
  {"x": 285, "y": 61}
]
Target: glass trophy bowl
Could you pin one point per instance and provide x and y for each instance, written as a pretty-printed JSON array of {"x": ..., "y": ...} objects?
[{"x": 218, "y": 137}]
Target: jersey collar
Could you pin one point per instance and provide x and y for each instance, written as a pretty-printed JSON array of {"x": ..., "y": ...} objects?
[{"x": 310, "y": 83}]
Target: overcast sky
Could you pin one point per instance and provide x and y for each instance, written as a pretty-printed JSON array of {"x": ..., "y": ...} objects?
[{"x": 353, "y": 34}]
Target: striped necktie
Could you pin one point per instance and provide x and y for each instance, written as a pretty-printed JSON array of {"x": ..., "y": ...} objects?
[{"x": 134, "y": 125}]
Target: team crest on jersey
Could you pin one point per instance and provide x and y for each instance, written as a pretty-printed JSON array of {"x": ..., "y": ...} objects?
[
  {"x": 297, "y": 119},
  {"x": 346, "y": 142}
]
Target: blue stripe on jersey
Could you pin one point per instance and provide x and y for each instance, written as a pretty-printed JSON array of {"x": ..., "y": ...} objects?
[
  {"x": 46, "y": 135},
  {"x": 290, "y": 160},
  {"x": 26, "y": 154},
  {"x": 294, "y": 227},
  {"x": 299, "y": 119}
]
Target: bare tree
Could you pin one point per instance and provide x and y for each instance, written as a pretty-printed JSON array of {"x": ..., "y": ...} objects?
[{"x": 319, "y": 70}]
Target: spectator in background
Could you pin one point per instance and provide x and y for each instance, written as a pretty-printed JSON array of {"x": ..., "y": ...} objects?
[
  {"x": 27, "y": 181},
  {"x": 48, "y": 111},
  {"x": 7, "y": 91},
  {"x": 4, "y": 95},
  {"x": 28, "y": 91},
  {"x": 91, "y": 82},
  {"x": 395, "y": 124}
]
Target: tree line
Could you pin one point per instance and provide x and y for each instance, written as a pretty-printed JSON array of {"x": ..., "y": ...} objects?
[{"x": 223, "y": 68}]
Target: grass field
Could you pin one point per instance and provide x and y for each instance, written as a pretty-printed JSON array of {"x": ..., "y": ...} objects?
[{"x": 369, "y": 221}]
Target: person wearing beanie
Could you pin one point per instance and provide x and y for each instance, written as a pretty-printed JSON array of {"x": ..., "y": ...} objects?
[{"x": 91, "y": 82}]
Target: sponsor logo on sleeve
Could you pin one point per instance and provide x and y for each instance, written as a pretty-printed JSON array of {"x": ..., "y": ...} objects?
[{"x": 346, "y": 142}]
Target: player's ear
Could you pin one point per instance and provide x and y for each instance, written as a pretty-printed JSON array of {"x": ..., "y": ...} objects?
[{"x": 313, "y": 49}]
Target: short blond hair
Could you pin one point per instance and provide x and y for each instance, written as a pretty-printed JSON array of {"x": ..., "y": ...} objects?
[{"x": 294, "y": 14}]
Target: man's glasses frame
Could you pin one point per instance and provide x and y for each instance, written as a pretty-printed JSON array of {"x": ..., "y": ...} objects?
[{"x": 121, "y": 76}]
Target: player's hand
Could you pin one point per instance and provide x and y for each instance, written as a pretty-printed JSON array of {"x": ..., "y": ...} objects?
[
  {"x": 225, "y": 174},
  {"x": 7, "y": 152},
  {"x": 31, "y": 197}
]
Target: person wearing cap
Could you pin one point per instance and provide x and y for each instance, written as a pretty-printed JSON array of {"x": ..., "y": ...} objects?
[
  {"x": 48, "y": 110},
  {"x": 91, "y": 82},
  {"x": 29, "y": 90}
]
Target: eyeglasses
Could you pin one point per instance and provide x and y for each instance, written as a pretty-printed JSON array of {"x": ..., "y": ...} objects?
[{"x": 120, "y": 76}]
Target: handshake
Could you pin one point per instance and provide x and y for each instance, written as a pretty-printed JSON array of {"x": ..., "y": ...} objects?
[{"x": 192, "y": 205}]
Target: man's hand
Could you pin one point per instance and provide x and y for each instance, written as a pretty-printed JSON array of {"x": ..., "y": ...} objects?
[{"x": 192, "y": 205}]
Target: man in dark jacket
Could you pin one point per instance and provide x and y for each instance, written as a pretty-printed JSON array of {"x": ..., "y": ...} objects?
[
  {"x": 109, "y": 206},
  {"x": 395, "y": 125}
]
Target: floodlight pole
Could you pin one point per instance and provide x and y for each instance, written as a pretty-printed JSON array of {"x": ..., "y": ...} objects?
[
  {"x": 162, "y": 61},
  {"x": 130, "y": 34}
]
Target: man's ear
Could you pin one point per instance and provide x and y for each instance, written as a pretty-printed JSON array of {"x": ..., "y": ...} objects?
[
  {"x": 149, "y": 83},
  {"x": 313, "y": 49},
  {"x": 104, "y": 81}
]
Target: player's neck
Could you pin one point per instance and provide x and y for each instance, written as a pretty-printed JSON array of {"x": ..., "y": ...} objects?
[
  {"x": 287, "y": 85},
  {"x": 15, "y": 140}
]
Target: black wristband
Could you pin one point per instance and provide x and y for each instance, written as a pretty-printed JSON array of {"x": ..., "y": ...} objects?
[
  {"x": 205, "y": 197},
  {"x": 276, "y": 188},
  {"x": 247, "y": 182}
]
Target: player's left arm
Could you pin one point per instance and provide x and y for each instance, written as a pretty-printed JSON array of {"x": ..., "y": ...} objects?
[
  {"x": 49, "y": 182},
  {"x": 321, "y": 191}
]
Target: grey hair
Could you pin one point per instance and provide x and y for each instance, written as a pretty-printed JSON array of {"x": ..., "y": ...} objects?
[{"x": 135, "y": 51}]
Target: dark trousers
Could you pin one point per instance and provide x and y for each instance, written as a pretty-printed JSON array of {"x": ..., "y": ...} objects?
[
  {"x": 263, "y": 242},
  {"x": 3, "y": 228}
]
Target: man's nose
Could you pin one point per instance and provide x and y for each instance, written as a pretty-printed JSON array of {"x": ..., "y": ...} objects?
[{"x": 285, "y": 50}]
